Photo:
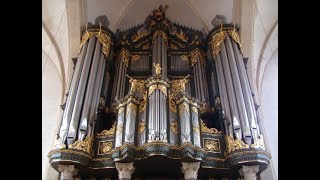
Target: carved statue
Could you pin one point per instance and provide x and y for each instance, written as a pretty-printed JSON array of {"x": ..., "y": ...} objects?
[
  {"x": 158, "y": 68},
  {"x": 136, "y": 84}
]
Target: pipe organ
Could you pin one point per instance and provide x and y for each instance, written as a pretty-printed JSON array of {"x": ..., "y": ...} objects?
[{"x": 163, "y": 93}]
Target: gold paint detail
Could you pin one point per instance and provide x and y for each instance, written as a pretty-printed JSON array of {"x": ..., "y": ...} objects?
[
  {"x": 235, "y": 36},
  {"x": 143, "y": 103},
  {"x": 107, "y": 132},
  {"x": 135, "y": 58},
  {"x": 137, "y": 85},
  {"x": 124, "y": 54},
  {"x": 140, "y": 34},
  {"x": 194, "y": 109},
  {"x": 105, "y": 147},
  {"x": 160, "y": 33},
  {"x": 163, "y": 89},
  {"x": 85, "y": 145},
  {"x": 216, "y": 41},
  {"x": 174, "y": 127},
  {"x": 205, "y": 129},
  {"x": 233, "y": 144},
  {"x": 142, "y": 127},
  {"x": 172, "y": 104},
  {"x": 214, "y": 159},
  {"x": 258, "y": 143},
  {"x": 146, "y": 46},
  {"x": 172, "y": 46},
  {"x": 212, "y": 145},
  {"x": 195, "y": 54},
  {"x": 182, "y": 107},
  {"x": 119, "y": 128},
  {"x": 102, "y": 37},
  {"x": 152, "y": 88},
  {"x": 157, "y": 69},
  {"x": 181, "y": 35},
  {"x": 179, "y": 85}
]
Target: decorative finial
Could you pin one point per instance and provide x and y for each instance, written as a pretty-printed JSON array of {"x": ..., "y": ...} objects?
[{"x": 158, "y": 68}]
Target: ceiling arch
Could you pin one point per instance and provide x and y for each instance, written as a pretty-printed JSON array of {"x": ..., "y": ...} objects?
[{"x": 123, "y": 14}]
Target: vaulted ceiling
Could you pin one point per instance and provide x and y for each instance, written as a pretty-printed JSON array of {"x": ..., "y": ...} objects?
[{"x": 123, "y": 14}]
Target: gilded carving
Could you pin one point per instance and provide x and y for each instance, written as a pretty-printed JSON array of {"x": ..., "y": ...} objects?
[
  {"x": 163, "y": 89},
  {"x": 146, "y": 46},
  {"x": 140, "y": 34},
  {"x": 160, "y": 33},
  {"x": 174, "y": 127},
  {"x": 235, "y": 36},
  {"x": 85, "y": 145},
  {"x": 205, "y": 129},
  {"x": 152, "y": 88},
  {"x": 172, "y": 104},
  {"x": 181, "y": 35},
  {"x": 124, "y": 54},
  {"x": 212, "y": 145},
  {"x": 233, "y": 144},
  {"x": 258, "y": 143},
  {"x": 141, "y": 127},
  {"x": 107, "y": 132},
  {"x": 216, "y": 41},
  {"x": 157, "y": 69},
  {"x": 185, "y": 58},
  {"x": 102, "y": 37},
  {"x": 172, "y": 46},
  {"x": 105, "y": 147},
  {"x": 136, "y": 85},
  {"x": 143, "y": 103}
]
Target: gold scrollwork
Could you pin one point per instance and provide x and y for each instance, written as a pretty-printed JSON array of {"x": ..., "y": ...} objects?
[
  {"x": 174, "y": 127},
  {"x": 141, "y": 127},
  {"x": 233, "y": 144},
  {"x": 102, "y": 37},
  {"x": 152, "y": 88},
  {"x": 163, "y": 89},
  {"x": 235, "y": 36},
  {"x": 172, "y": 104},
  {"x": 160, "y": 33},
  {"x": 181, "y": 35},
  {"x": 205, "y": 129},
  {"x": 105, "y": 147},
  {"x": 143, "y": 103},
  {"x": 216, "y": 41},
  {"x": 119, "y": 128},
  {"x": 140, "y": 34},
  {"x": 124, "y": 54},
  {"x": 258, "y": 143},
  {"x": 212, "y": 145},
  {"x": 107, "y": 132},
  {"x": 85, "y": 145},
  {"x": 195, "y": 54}
]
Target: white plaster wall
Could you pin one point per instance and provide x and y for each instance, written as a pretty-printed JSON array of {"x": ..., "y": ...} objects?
[
  {"x": 51, "y": 99},
  {"x": 269, "y": 108}
]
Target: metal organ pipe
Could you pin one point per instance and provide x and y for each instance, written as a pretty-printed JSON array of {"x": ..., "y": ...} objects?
[
  {"x": 238, "y": 92},
  {"x": 71, "y": 95},
  {"x": 80, "y": 93},
  {"x": 89, "y": 93}
]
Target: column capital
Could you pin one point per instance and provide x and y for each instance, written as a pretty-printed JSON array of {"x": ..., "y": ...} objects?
[
  {"x": 125, "y": 170},
  {"x": 249, "y": 172},
  {"x": 67, "y": 171},
  {"x": 190, "y": 170}
]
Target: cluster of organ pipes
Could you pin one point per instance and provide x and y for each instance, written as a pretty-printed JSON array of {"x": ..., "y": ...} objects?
[{"x": 160, "y": 109}]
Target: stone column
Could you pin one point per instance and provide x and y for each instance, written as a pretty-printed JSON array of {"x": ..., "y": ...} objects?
[
  {"x": 125, "y": 170},
  {"x": 190, "y": 170},
  {"x": 67, "y": 172},
  {"x": 249, "y": 172}
]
